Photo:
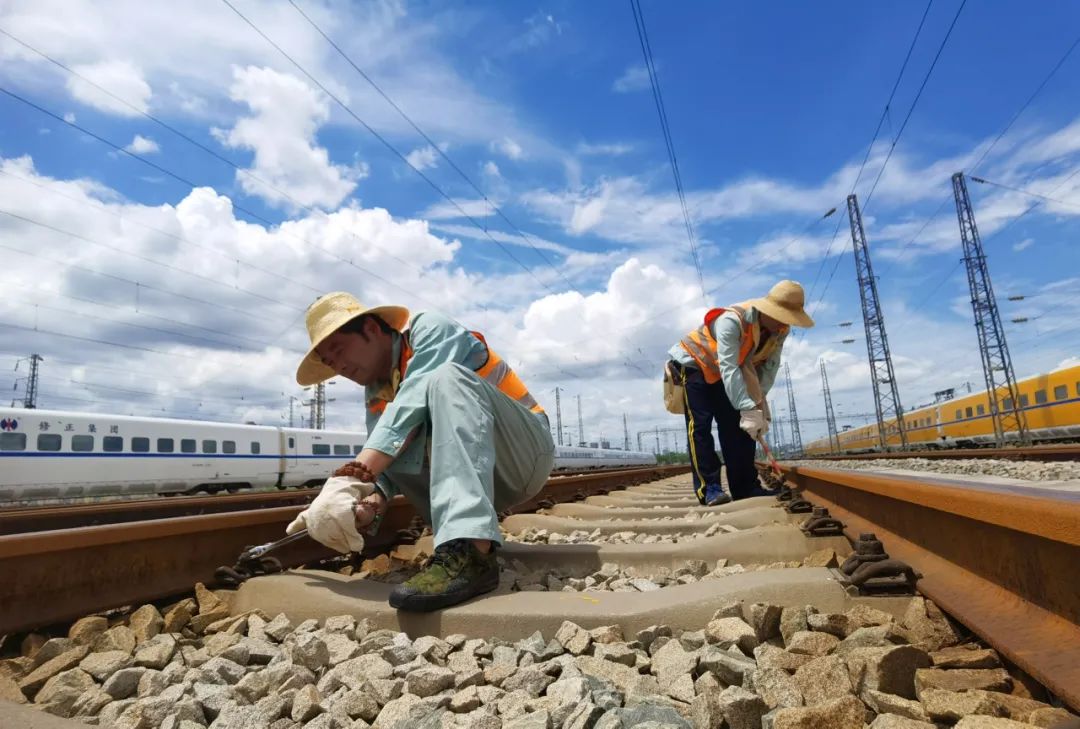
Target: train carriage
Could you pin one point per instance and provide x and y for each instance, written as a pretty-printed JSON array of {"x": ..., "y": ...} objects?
[
  {"x": 56, "y": 454},
  {"x": 50, "y": 454},
  {"x": 1050, "y": 403}
]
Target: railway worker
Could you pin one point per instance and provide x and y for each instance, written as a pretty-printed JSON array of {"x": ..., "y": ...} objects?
[
  {"x": 450, "y": 426},
  {"x": 726, "y": 367}
]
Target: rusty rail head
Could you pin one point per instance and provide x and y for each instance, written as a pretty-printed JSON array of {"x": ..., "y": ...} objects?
[
  {"x": 1061, "y": 452},
  {"x": 999, "y": 559}
]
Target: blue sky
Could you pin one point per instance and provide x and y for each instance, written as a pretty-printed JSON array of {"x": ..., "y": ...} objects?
[{"x": 547, "y": 109}]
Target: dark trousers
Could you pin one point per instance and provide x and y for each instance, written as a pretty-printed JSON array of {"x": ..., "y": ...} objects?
[{"x": 704, "y": 404}]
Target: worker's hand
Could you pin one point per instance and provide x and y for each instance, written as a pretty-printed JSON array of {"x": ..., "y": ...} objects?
[
  {"x": 753, "y": 422},
  {"x": 331, "y": 518},
  {"x": 357, "y": 470},
  {"x": 369, "y": 509}
]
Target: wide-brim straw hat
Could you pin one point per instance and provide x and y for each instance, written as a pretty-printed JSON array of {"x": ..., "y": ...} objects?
[
  {"x": 326, "y": 316},
  {"x": 785, "y": 302}
]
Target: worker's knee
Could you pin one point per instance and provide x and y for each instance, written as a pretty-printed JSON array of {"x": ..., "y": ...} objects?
[{"x": 448, "y": 377}]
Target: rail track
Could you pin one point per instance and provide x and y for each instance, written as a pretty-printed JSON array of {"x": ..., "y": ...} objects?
[
  {"x": 1061, "y": 452},
  {"x": 997, "y": 559},
  {"x": 145, "y": 550}
]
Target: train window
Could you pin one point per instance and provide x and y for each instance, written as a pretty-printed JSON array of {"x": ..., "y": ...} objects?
[
  {"x": 980, "y": 410},
  {"x": 12, "y": 441},
  {"x": 341, "y": 450},
  {"x": 320, "y": 449},
  {"x": 356, "y": 449},
  {"x": 1024, "y": 401},
  {"x": 1061, "y": 392},
  {"x": 82, "y": 443},
  {"x": 228, "y": 446},
  {"x": 165, "y": 445},
  {"x": 969, "y": 412},
  {"x": 187, "y": 445},
  {"x": 112, "y": 444},
  {"x": 209, "y": 446},
  {"x": 48, "y": 442},
  {"x": 1007, "y": 404},
  {"x": 957, "y": 414},
  {"x": 1040, "y": 397},
  {"x": 255, "y": 447},
  {"x": 292, "y": 442},
  {"x": 140, "y": 445}
]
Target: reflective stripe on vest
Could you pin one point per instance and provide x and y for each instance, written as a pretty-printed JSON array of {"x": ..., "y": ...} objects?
[
  {"x": 499, "y": 374},
  {"x": 701, "y": 345},
  {"x": 494, "y": 370}
]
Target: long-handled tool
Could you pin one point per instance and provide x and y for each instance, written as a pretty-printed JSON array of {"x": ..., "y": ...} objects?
[
  {"x": 254, "y": 561},
  {"x": 772, "y": 462}
]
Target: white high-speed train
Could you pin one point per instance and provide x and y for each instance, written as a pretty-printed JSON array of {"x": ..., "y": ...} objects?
[{"x": 53, "y": 454}]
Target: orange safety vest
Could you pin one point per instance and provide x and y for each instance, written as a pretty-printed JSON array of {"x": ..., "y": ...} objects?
[
  {"x": 701, "y": 345},
  {"x": 494, "y": 370}
]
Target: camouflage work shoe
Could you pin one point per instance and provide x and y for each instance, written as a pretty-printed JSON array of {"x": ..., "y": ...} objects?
[{"x": 456, "y": 572}]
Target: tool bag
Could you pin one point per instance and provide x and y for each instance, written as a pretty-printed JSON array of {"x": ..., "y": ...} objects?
[{"x": 674, "y": 392}]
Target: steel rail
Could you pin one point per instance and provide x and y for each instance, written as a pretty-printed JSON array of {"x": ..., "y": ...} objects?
[
  {"x": 1060, "y": 452},
  {"x": 999, "y": 559},
  {"x": 17, "y": 520},
  {"x": 54, "y": 576}
]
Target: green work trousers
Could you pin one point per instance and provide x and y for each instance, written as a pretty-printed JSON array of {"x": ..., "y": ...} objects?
[{"x": 488, "y": 453}]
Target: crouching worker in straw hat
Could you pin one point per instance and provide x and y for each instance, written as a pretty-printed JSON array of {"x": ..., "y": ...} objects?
[
  {"x": 726, "y": 367},
  {"x": 450, "y": 426}
]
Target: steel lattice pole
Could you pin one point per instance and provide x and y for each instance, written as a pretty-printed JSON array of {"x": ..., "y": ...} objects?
[
  {"x": 886, "y": 396},
  {"x": 1008, "y": 417}
]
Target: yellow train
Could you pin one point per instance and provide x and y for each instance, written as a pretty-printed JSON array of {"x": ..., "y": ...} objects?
[{"x": 1050, "y": 403}]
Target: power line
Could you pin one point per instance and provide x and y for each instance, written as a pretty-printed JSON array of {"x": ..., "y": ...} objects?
[
  {"x": 159, "y": 231},
  {"x": 998, "y": 138},
  {"x": 866, "y": 158},
  {"x": 187, "y": 138},
  {"x": 762, "y": 261},
  {"x": 265, "y": 221},
  {"x": 1044, "y": 198},
  {"x": 439, "y": 150},
  {"x": 147, "y": 259},
  {"x": 914, "y": 103},
  {"x": 388, "y": 145},
  {"x": 137, "y": 284},
  {"x": 665, "y": 128},
  {"x": 106, "y": 305},
  {"x": 888, "y": 103},
  {"x": 7, "y": 325}
]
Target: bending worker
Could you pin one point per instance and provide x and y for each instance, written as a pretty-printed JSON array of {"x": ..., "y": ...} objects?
[
  {"x": 450, "y": 426},
  {"x": 726, "y": 368}
]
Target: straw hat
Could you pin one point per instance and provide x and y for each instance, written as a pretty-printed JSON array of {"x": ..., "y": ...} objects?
[
  {"x": 325, "y": 316},
  {"x": 785, "y": 303}
]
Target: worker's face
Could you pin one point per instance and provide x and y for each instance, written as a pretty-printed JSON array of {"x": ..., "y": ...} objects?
[
  {"x": 769, "y": 323},
  {"x": 362, "y": 358}
]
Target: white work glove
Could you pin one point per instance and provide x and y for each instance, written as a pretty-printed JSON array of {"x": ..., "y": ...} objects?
[
  {"x": 753, "y": 422},
  {"x": 331, "y": 518}
]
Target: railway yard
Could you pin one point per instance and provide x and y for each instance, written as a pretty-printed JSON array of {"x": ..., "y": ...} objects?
[{"x": 622, "y": 603}]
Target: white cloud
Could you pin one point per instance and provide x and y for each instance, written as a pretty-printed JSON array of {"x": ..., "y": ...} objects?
[
  {"x": 286, "y": 114},
  {"x": 423, "y": 158},
  {"x": 121, "y": 78},
  {"x": 1024, "y": 244},
  {"x": 508, "y": 148},
  {"x": 142, "y": 145},
  {"x": 258, "y": 336},
  {"x": 634, "y": 78},
  {"x": 491, "y": 169},
  {"x": 184, "y": 57},
  {"x": 458, "y": 209},
  {"x": 69, "y": 118},
  {"x": 605, "y": 150}
]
